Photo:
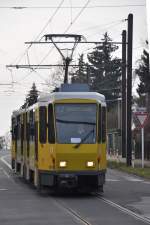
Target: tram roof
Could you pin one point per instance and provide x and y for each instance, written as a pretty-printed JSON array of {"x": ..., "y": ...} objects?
[
  {"x": 72, "y": 95},
  {"x": 52, "y": 97}
]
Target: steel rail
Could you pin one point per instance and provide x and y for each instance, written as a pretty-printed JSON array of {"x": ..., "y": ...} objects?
[
  {"x": 71, "y": 212},
  {"x": 123, "y": 209}
]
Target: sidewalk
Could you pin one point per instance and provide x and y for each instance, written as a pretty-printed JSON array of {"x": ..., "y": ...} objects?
[{"x": 118, "y": 158}]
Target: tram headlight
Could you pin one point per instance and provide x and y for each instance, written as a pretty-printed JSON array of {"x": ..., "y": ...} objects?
[
  {"x": 62, "y": 164},
  {"x": 90, "y": 164}
]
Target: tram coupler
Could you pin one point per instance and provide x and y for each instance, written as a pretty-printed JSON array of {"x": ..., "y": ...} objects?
[{"x": 67, "y": 181}]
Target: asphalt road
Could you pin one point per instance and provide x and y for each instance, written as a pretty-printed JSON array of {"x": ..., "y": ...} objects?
[{"x": 126, "y": 201}]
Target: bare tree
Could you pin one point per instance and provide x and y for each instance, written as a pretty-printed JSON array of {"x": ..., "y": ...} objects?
[{"x": 55, "y": 79}]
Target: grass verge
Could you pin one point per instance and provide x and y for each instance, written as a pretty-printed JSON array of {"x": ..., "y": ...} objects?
[{"x": 142, "y": 172}]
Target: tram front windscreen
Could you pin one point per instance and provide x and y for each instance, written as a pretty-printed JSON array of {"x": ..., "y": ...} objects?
[{"x": 76, "y": 123}]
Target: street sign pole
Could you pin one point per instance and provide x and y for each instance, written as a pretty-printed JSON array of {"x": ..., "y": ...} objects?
[
  {"x": 142, "y": 118},
  {"x": 142, "y": 134}
]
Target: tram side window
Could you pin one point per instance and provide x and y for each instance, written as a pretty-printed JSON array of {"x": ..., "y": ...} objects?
[
  {"x": 13, "y": 130},
  {"x": 18, "y": 128},
  {"x": 51, "y": 131},
  {"x": 27, "y": 137},
  {"x": 43, "y": 124},
  {"x": 22, "y": 132},
  {"x": 32, "y": 125},
  {"x": 27, "y": 132},
  {"x": 103, "y": 124},
  {"x": 36, "y": 140},
  {"x": 99, "y": 125},
  {"x": 24, "y": 126},
  {"x": 22, "y": 137}
]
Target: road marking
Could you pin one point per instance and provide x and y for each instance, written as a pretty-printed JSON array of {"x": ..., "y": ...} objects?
[
  {"x": 8, "y": 165},
  {"x": 6, "y": 174},
  {"x": 111, "y": 180},
  {"x": 146, "y": 182},
  {"x": 133, "y": 179},
  {"x": 4, "y": 161},
  {"x": 3, "y": 189},
  {"x": 125, "y": 210}
]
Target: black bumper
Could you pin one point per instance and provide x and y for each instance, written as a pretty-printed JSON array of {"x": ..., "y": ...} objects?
[{"x": 72, "y": 179}]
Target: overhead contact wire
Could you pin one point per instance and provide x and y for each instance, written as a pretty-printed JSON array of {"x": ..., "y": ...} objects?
[
  {"x": 49, "y": 21},
  {"x": 77, "y": 16}
]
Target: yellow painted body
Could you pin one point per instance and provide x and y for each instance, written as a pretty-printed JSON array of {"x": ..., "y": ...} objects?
[
  {"x": 76, "y": 157},
  {"x": 50, "y": 155}
]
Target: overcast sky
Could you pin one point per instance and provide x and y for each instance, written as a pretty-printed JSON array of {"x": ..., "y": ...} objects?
[{"x": 86, "y": 17}]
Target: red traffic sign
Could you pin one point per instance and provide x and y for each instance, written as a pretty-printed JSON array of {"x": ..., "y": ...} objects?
[{"x": 142, "y": 118}]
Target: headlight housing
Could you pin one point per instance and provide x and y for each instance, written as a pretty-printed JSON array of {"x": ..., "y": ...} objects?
[
  {"x": 90, "y": 164},
  {"x": 62, "y": 164}
]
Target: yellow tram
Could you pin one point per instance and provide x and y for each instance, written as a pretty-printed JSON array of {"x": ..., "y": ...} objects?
[{"x": 60, "y": 142}]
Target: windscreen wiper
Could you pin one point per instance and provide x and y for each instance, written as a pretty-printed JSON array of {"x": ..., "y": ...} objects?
[
  {"x": 84, "y": 139},
  {"x": 75, "y": 122}
]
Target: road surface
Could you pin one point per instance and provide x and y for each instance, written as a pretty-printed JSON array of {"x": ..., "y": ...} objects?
[{"x": 125, "y": 201}]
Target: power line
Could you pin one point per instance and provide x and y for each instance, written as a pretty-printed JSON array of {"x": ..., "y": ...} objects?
[
  {"x": 108, "y": 28},
  {"x": 5, "y": 84},
  {"x": 77, "y": 16},
  {"x": 72, "y": 42},
  {"x": 47, "y": 23},
  {"x": 72, "y": 7},
  {"x": 50, "y": 20},
  {"x": 37, "y": 65},
  {"x": 113, "y": 23},
  {"x": 70, "y": 1},
  {"x": 120, "y": 21}
]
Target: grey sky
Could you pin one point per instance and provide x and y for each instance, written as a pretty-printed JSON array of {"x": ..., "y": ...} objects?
[{"x": 20, "y": 25}]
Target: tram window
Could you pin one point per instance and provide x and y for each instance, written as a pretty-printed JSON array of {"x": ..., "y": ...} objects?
[
  {"x": 36, "y": 140},
  {"x": 27, "y": 132},
  {"x": 22, "y": 132},
  {"x": 32, "y": 130},
  {"x": 13, "y": 129},
  {"x": 15, "y": 132},
  {"x": 32, "y": 125},
  {"x": 28, "y": 137},
  {"x": 22, "y": 137},
  {"x": 24, "y": 125},
  {"x": 76, "y": 123},
  {"x": 99, "y": 125},
  {"x": 103, "y": 124},
  {"x": 51, "y": 134},
  {"x": 43, "y": 124},
  {"x": 18, "y": 128}
]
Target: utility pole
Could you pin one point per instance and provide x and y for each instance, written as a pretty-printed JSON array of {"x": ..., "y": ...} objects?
[
  {"x": 129, "y": 90},
  {"x": 67, "y": 62},
  {"x": 123, "y": 94}
]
